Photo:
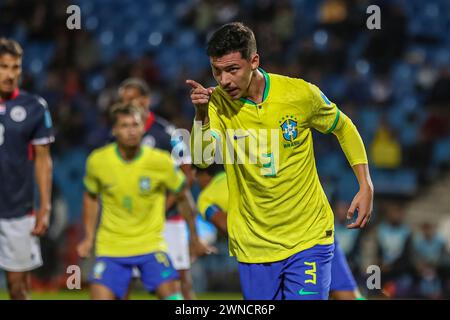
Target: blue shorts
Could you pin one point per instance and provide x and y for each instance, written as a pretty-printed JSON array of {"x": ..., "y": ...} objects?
[
  {"x": 115, "y": 273},
  {"x": 303, "y": 276},
  {"x": 341, "y": 277}
]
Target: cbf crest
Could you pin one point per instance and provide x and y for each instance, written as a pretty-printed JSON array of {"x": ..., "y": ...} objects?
[
  {"x": 289, "y": 128},
  {"x": 144, "y": 184}
]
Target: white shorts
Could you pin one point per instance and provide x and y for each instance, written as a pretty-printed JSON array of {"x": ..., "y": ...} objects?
[
  {"x": 19, "y": 250},
  {"x": 176, "y": 236}
]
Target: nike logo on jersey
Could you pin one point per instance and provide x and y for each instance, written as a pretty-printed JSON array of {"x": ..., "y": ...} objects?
[
  {"x": 302, "y": 292},
  {"x": 240, "y": 137}
]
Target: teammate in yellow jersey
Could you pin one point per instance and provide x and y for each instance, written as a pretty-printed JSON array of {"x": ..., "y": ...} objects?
[
  {"x": 131, "y": 182},
  {"x": 280, "y": 223},
  {"x": 213, "y": 203}
]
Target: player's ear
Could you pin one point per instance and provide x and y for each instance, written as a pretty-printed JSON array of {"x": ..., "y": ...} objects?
[{"x": 254, "y": 61}]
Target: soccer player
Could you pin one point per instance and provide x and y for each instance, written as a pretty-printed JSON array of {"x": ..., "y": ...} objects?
[
  {"x": 132, "y": 180},
  {"x": 213, "y": 204},
  {"x": 280, "y": 224},
  {"x": 25, "y": 137},
  {"x": 158, "y": 134}
]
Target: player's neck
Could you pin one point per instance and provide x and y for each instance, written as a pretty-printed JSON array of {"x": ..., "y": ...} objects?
[
  {"x": 255, "y": 90},
  {"x": 6, "y": 95},
  {"x": 128, "y": 153}
]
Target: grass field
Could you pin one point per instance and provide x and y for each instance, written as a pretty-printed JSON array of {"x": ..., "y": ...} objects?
[{"x": 84, "y": 295}]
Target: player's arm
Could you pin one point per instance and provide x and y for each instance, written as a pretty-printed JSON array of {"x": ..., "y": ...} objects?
[
  {"x": 213, "y": 213},
  {"x": 186, "y": 207},
  {"x": 327, "y": 118},
  {"x": 353, "y": 147},
  {"x": 43, "y": 171},
  {"x": 201, "y": 135},
  {"x": 219, "y": 219},
  {"x": 176, "y": 183},
  {"x": 90, "y": 217},
  {"x": 90, "y": 208}
]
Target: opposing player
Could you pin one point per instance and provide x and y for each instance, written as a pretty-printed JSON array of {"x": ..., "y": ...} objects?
[
  {"x": 280, "y": 224},
  {"x": 213, "y": 204},
  {"x": 158, "y": 134},
  {"x": 25, "y": 138},
  {"x": 131, "y": 180}
]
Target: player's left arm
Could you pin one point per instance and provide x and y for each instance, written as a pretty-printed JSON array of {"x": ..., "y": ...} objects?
[
  {"x": 327, "y": 118},
  {"x": 186, "y": 206},
  {"x": 43, "y": 172},
  {"x": 176, "y": 183},
  {"x": 41, "y": 138}
]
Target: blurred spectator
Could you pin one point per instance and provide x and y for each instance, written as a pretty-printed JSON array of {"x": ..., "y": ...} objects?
[
  {"x": 444, "y": 233},
  {"x": 394, "y": 243},
  {"x": 440, "y": 91},
  {"x": 392, "y": 35},
  {"x": 385, "y": 149},
  {"x": 429, "y": 250}
]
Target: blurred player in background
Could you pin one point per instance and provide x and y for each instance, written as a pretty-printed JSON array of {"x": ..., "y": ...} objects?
[
  {"x": 25, "y": 137},
  {"x": 280, "y": 224},
  {"x": 213, "y": 205},
  {"x": 131, "y": 181},
  {"x": 158, "y": 134}
]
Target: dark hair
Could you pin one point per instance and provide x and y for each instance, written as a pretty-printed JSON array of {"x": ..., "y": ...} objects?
[
  {"x": 232, "y": 37},
  {"x": 211, "y": 170},
  {"x": 12, "y": 47},
  {"x": 124, "y": 109},
  {"x": 137, "y": 83}
]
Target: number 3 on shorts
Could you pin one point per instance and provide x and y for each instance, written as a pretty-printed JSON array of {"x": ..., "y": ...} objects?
[
  {"x": 311, "y": 272},
  {"x": 162, "y": 258}
]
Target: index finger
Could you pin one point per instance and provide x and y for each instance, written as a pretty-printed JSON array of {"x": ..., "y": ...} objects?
[{"x": 194, "y": 84}]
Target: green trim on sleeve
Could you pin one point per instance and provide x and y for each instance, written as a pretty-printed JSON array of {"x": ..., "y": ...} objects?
[
  {"x": 88, "y": 190},
  {"x": 181, "y": 186},
  {"x": 336, "y": 120}
]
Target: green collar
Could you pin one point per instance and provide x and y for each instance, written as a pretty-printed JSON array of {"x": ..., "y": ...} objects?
[
  {"x": 138, "y": 155},
  {"x": 266, "y": 89}
]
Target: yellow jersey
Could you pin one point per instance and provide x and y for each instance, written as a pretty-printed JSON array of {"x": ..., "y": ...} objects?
[
  {"x": 214, "y": 197},
  {"x": 277, "y": 206},
  {"x": 132, "y": 195}
]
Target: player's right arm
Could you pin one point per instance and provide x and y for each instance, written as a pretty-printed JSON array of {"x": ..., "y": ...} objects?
[
  {"x": 176, "y": 183},
  {"x": 212, "y": 212},
  {"x": 201, "y": 136},
  {"x": 219, "y": 219},
  {"x": 90, "y": 208}
]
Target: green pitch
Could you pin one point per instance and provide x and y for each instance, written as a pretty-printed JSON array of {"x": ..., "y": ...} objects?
[{"x": 84, "y": 295}]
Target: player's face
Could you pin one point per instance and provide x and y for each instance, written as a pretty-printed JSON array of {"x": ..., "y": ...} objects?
[
  {"x": 129, "y": 130},
  {"x": 10, "y": 71},
  {"x": 202, "y": 179},
  {"x": 234, "y": 73},
  {"x": 133, "y": 95}
]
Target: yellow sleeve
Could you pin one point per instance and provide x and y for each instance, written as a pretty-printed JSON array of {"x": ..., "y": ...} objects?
[
  {"x": 204, "y": 139},
  {"x": 202, "y": 204},
  {"x": 205, "y": 206},
  {"x": 327, "y": 118},
  {"x": 174, "y": 177},
  {"x": 323, "y": 114},
  {"x": 90, "y": 181},
  {"x": 350, "y": 141}
]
